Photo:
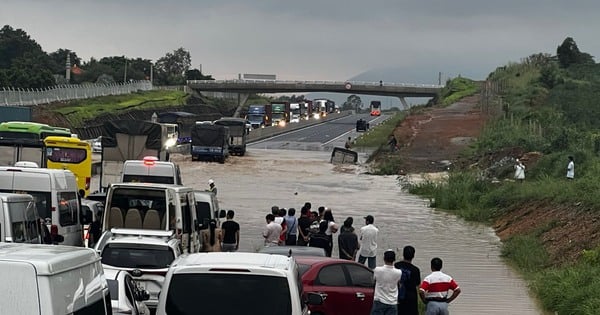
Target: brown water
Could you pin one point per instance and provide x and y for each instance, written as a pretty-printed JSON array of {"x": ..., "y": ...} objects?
[{"x": 250, "y": 185}]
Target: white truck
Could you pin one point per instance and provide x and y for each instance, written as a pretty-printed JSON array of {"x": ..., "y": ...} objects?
[{"x": 124, "y": 140}]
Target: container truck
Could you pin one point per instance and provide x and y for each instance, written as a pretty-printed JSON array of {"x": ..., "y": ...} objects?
[{"x": 280, "y": 113}]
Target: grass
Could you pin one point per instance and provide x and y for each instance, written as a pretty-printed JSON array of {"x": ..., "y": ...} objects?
[
  {"x": 78, "y": 111},
  {"x": 457, "y": 89},
  {"x": 377, "y": 136}
]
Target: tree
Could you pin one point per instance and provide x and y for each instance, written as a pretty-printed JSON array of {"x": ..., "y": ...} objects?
[
  {"x": 59, "y": 58},
  {"x": 568, "y": 54},
  {"x": 196, "y": 74},
  {"x": 353, "y": 103},
  {"x": 171, "y": 69},
  {"x": 14, "y": 44}
]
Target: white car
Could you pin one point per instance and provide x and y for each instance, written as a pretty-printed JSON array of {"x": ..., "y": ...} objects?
[
  {"x": 125, "y": 295},
  {"x": 145, "y": 254}
]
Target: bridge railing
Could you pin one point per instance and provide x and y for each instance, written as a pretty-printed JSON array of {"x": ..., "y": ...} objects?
[
  {"x": 59, "y": 93},
  {"x": 338, "y": 83}
]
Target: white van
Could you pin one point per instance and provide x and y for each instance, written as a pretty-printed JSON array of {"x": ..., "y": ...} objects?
[
  {"x": 55, "y": 194},
  {"x": 207, "y": 208},
  {"x": 19, "y": 221},
  {"x": 151, "y": 206},
  {"x": 47, "y": 280},
  {"x": 261, "y": 284},
  {"x": 151, "y": 170}
]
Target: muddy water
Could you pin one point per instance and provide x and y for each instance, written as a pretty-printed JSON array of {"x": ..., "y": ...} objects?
[{"x": 252, "y": 184}]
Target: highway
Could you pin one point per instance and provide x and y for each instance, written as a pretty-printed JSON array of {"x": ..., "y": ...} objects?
[{"x": 321, "y": 137}]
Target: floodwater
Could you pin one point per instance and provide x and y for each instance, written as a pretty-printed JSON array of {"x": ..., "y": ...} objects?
[{"x": 250, "y": 185}]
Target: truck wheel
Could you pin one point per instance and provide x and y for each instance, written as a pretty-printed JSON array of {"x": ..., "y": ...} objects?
[{"x": 242, "y": 153}]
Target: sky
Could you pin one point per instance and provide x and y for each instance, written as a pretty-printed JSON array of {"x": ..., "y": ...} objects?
[{"x": 393, "y": 40}]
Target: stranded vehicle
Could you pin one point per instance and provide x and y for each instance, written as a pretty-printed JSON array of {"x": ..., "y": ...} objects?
[
  {"x": 362, "y": 125},
  {"x": 238, "y": 133},
  {"x": 210, "y": 142}
]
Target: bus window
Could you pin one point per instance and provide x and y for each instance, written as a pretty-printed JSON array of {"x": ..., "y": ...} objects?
[{"x": 66, "y": 155}]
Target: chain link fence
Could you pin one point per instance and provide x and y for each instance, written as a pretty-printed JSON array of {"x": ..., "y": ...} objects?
[{"x": 59, "y": 93}]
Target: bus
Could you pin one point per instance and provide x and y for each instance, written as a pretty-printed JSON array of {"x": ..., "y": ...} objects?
[
  {"x": 375, "y": 108},
  {"x": 71, "y": 154},
  {"x": 30, "y": 130}
]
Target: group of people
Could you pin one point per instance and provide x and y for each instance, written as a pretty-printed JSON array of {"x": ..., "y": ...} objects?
[
  {"x": 520, "y": 169},
  {"x": 226, "y": 238},
  {"x": 398, "y": 286}
]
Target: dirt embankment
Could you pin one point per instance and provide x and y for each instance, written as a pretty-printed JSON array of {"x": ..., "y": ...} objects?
[{"x": 432, "y": 141}]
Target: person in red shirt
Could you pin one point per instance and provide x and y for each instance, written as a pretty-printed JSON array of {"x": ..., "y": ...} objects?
[{"x": 435, "y": 287}]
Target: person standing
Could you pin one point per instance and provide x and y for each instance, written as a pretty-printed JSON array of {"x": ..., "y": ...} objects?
[
  {"x": 368, "y": 243},
  {"x": 292, "y": 227},
  {"x": 272, "y": 231},
  {"x": 519, "y": 171},
  {"x": 385, "y": 298},
  {"x": 231, "y": 233},
  {"x": 303, "y": 227},
  {"x": 348, "y": 241},
  {"x": 320, "y": 239},
  {"x": 409, "y": 283},
  {"x": 571, "y": 168},
  {"x": 211, "y": 186},
  {"x": 348, "y": 144},
  {"x": 434, "y": 289},
  {"x": 332, "y": 228},
  {"x": 211, "y": 238}
]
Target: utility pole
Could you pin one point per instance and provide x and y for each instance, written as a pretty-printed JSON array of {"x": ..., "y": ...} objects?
[
  {"x": 151, "y": 73},
  {"x": 68, "y": 67},
  {"x": 125, "y": 73}
]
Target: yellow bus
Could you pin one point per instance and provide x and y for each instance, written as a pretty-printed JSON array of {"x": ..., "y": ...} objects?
[{"x": 71, "y": 154}]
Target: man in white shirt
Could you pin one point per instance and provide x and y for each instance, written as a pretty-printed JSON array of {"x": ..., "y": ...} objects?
[
  {"x": 386, "y": 278},
  {"x": 272, "y": 231},
  {"x": 368, "y": 243}
]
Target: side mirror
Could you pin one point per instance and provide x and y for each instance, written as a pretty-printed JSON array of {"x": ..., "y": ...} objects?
[
  {"x": 314, "y": 298},
  {"x": 222, "y": 214}
]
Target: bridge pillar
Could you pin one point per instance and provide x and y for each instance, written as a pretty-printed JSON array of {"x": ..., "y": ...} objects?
[
  {"x": 242, "y": 98},
  {"x": 404, "y": 103}
]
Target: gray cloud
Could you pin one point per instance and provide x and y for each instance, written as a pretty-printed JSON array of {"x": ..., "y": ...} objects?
[{"x": 313, "y": 40}]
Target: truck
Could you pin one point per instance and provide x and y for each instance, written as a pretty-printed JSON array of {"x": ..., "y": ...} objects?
[
  {"x": 295, "y": 112},
  {"x": 280, "y": 113},
  {"x": 124, "y": 140},
  {"x": 306, "y": 109},
  {"x": 258, "y": 116},
  {"x": 210, "y": 142},
  {"x": 237, "y": 134}
]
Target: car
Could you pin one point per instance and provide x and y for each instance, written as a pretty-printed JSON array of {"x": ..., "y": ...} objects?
[
  {"x": 146, "y": 254},
  {"x": 294, "y": 251},
  {"x": 97, "y": 145},
  {"x": 93, "y": 210},
  {"x": 348, "y": 286},
  {"x": 362, "y": 125},
  {"x": 125, "y": 295},
  {"x": 234, "y": 283}
]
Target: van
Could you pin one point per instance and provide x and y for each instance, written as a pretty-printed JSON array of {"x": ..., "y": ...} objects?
[
  {"x": 19, "y": 221},
  {"x": 151, "y": 206},
  {"x": 207, "y": 208},
  {"x": 55, "y": 194},
  {"x": 260, "y": 283},
  {"x": 151, "y": 170},
  {"x": 47, "y": 280}
]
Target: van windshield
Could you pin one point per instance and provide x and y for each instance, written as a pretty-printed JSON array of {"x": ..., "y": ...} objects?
[
  {"x": 24, "y": 222},
  {"x": 140, "y": 257},
  {"x": 212, "y": 292}
]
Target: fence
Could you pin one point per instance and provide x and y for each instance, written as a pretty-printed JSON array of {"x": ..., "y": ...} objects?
[{"x": 59, "y": 93}]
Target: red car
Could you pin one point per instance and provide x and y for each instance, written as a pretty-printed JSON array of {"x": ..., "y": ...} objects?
[{"x": 347, "y": 287}]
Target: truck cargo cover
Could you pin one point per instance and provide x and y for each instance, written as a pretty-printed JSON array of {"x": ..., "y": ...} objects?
[
  {"x": 209, "y": 135},
  {"x": 151, "y": 130}
]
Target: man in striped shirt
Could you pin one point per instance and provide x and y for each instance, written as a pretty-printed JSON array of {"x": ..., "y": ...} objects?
[{"x": 434, "y": 290}]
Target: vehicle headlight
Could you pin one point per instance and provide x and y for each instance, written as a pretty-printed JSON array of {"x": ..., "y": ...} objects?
[{"x": 170, "y": 142}]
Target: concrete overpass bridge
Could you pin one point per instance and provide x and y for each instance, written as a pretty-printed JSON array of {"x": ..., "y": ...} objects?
[{"x": 245, "y": 87}]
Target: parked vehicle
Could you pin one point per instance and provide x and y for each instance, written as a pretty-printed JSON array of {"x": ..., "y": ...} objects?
[
  {"x": 124, "y": 140},
  {"x": 126, "y": 297},
  {"x": 55, "y": 195},
  {"x": 238, "y": 133},
  {"x": 92, "y": 211},
  {"x": 348, "y": 285},
  {"x": 153, "y": 207},
  {"x": 207, "y": 208},
  {"x": 19, "y": 220},
  {"x": 151, "y": 170},
  {"x": 47, "y": 280},
  {"x": 210, "y": 142},
  {"x": 260, "y": 283},
  {"x": 97, "y": 145},
  {"x": 294, "y": 251},
  {"x": 146, "y": 254}
]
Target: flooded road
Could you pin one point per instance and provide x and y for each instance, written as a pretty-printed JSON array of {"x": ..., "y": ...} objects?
[{"x": 250, "y": 185}]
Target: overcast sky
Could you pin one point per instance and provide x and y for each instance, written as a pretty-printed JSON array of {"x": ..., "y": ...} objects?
[{"x": 313, "y": 39}]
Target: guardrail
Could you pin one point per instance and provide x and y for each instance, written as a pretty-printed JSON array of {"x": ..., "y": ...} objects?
[
  {"x": 59, "y": 93},
  {"x": 337, "y": 83}
]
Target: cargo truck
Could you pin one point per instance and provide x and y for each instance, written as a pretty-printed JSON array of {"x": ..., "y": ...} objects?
[
  {"x": 210, "y": 142},
  {"x": 259, "y": 116},
  {"x": 280, "y": 113},
  {"x": 237, "y": 134}
]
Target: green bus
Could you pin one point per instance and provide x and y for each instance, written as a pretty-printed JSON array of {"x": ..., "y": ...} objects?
[{"x": 30, "y": 130}]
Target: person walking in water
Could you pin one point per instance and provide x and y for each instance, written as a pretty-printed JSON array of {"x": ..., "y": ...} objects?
[
  {"x": 434, "y": 290},
  {"x": 348, "y": 144},
  {"x": 571, "y": 168},
  {"x": 519, "y": 171}
]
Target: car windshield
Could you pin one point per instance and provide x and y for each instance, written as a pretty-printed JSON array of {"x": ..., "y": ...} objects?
[
  {"x": 254, "y": 294},
  {"x": 146, "y": 257}
]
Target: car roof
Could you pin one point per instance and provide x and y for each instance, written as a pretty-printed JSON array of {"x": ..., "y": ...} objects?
[
  {"x": 48, "y": 259},
  {"x": 152, "y": 186},
  {"x": 238, "y": 260},
  {"x": 313, "y": 260},
  {"x": 295, "y": 250}
]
